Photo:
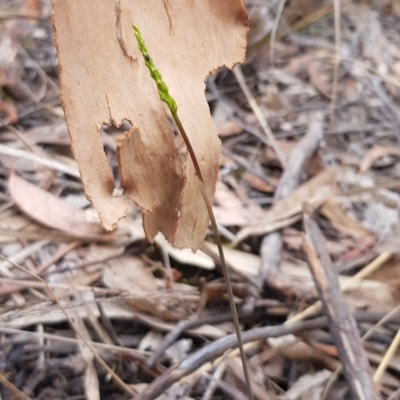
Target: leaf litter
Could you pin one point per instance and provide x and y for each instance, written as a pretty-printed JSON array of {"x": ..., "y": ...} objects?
[{"x": 120, "y": 289}]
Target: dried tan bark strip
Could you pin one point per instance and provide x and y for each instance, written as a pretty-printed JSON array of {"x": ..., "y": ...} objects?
[{"x": 104, "y": 80}]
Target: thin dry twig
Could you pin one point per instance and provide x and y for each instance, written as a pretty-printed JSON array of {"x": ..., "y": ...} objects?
[
  {"x": 231, "y": 391},
  {"x": 258, "y": 113},
  {"x": 272, "y": 243},
  {"x": 364, "y": 338},
  {"x": 218, "y": 374},
  {"x": 17, "y": 393},
  {"x": 216, "y": 348},
  {"x": 61, "y": 252},
  {"x": 90, "y": 378},
  {"x": 184, "y": 325},
  {"x": 117, "y": 379},
  {"x": 395, "y": 395},
  {"x": 134, "y": 353},
  {"x": 337, "y": 61},
  {"x": 387, "y": 358},
  {"x": 21, "y": 256},
  {"x": 274, "y": 30},
  {"x": 341, "y": 323},
  {"x": 363, "y": 273},
  {"x": 47, "y": 162}
]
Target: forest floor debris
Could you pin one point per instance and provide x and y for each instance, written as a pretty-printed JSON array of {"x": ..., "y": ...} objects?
[{"x": 323, "y": 189}]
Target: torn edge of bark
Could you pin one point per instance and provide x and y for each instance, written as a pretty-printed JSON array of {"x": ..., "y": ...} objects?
[{"x": 108, "y": 226}]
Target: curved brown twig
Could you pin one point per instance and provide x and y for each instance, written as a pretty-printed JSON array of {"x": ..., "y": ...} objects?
[{"x": 218, "y": 347}]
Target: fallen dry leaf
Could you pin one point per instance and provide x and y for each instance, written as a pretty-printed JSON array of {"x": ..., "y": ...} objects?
[
  {"x": 320, "y": 73},
  {"x": 240, "y": 261},
  {"x": 372, "y": 295},
  {"x": 51, "y": 211},
  {"x": 313, "y": 165},
  {"x": 47, "y": 314},
  {"x": 309, "y": 386},
  {"x": 187, "y": 257},
  {"x": 342, "y": 221},
  {"x": 374, "y": 154},
  {"x": 186, "y": 48},
  {"x": 257, "y": 183},
  {"x": 366, "y": 294},
  {"x": 294, "y": 349},
  {"x": 234, "y": 376},
  {"x": 295, "y": 10},
  {"x": 233, "y": 211},
  {"x": 31, "y": 7},
  {"x": 272, "y": 98},
  {"x": 20, "y": 227},
  {"x": 294, "y": 239},
  {"x": 286, "y": 146},
  {"x": 286, "y": 211},
  {"x": 150, "y": 341},
  {"x": 389, "y": 273},
  {"x": 129, "y": 274},
  {"x": 228, "y": 128},
  {"x": 8, "y": 110}
]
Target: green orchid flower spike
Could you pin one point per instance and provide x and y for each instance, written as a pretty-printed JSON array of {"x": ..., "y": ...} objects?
[{"x": 155, "y": 73}]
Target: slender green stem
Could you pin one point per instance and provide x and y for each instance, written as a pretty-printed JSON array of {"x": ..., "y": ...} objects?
[
  {"x": 221, "y": 253},
  {"x": 188, "y": 145},
  {"x": 169, "y": 100}
]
